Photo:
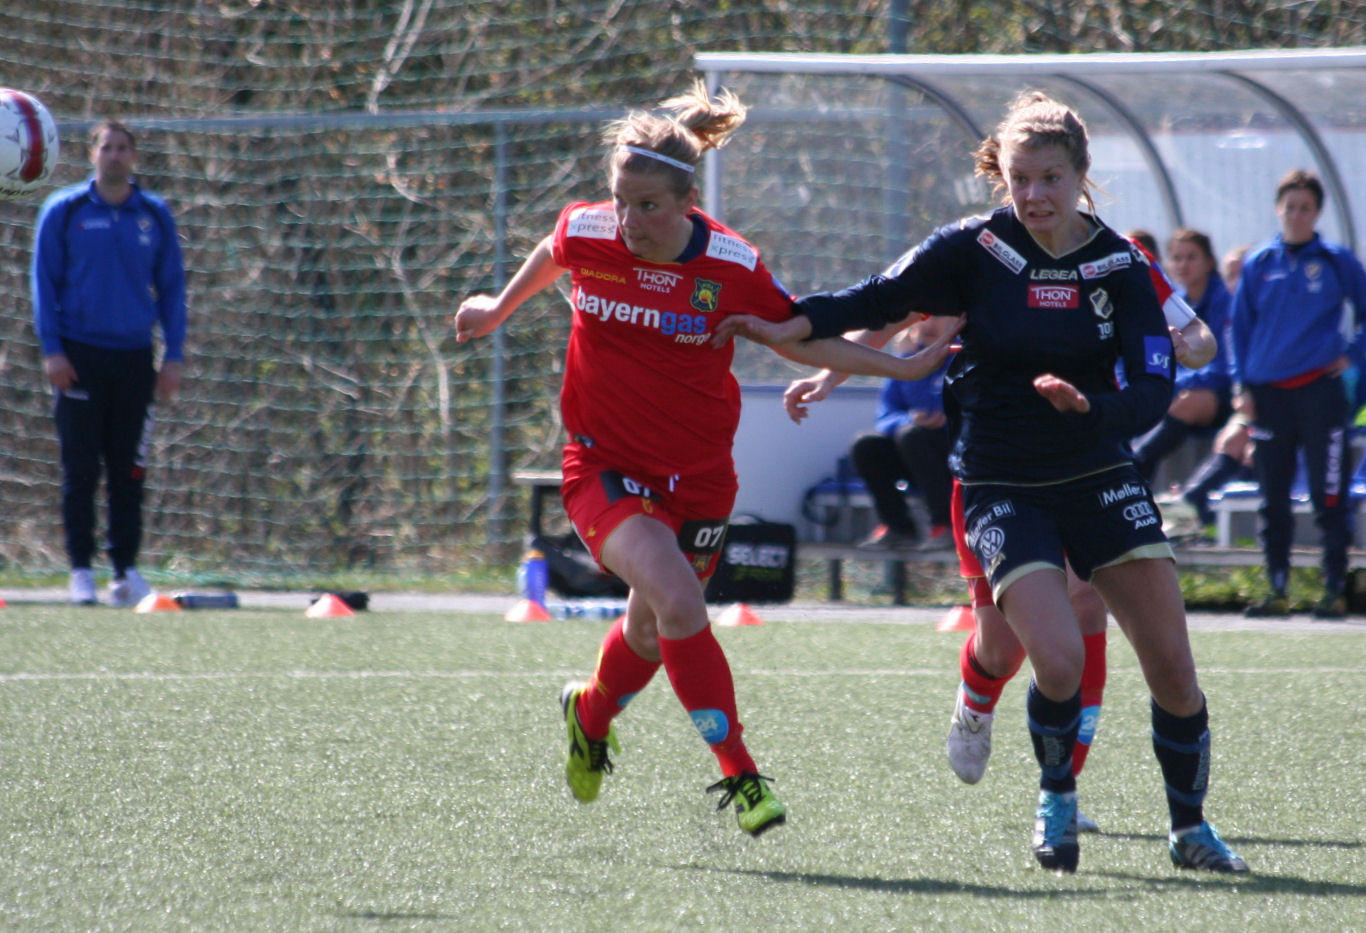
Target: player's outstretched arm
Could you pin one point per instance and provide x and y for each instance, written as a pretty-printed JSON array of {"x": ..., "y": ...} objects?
[
  {"x": 802, "y": 393},
  {"x": 755, "y": 328},
  {"x": 480, "y": 315},
  {"x": 845, "y": 356}
]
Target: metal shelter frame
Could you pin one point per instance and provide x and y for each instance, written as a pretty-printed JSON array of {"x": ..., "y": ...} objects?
[{"x": 934, "y": 77}]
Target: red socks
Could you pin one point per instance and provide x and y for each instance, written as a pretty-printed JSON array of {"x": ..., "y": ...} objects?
[
  {"x": 980, "y": 690},
  {"x": 620, "y": 675},
  {"x": 1092, "y": 687},
  {"x": 701, "y": 679}
]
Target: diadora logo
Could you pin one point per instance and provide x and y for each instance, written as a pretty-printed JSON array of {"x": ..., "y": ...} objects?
[
  {"x": 1003, "y": 251},
  {"x": 1120, "y": 493},
  {"x": 1054, "y": 296},
  {"x": 684, "y": 328},
  {"x": 657, "y": 280},
  {"x": 600, "y": 224},
  {"x": 588, "y": 273},
  {"x": 1157, "y": 353},
  {"x": 1106, "y": 265},
  {"x": 732, "y": 249}
]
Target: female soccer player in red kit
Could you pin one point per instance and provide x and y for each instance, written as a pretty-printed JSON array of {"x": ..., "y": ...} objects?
[{"x": 651, "y": 408}]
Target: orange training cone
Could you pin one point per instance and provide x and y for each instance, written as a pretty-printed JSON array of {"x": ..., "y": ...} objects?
[
  {"x": 739, "y": 614},
  {"x": 527, "y": 610},
  {"x": 157, "y": 602},
  {"x": 957, "y": 619},
  {"x": 329, "y": 605}
]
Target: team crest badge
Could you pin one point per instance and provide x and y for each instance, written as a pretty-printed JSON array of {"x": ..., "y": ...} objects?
[
  {"x": 706, "y": 295},
  {"x": 1100, "y": 301}
]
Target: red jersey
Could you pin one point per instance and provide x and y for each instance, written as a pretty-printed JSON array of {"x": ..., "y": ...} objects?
[{"x": 642, "y": 384}]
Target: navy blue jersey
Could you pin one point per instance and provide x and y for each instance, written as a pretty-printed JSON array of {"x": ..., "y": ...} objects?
[{"x": 1028, "y": 313}]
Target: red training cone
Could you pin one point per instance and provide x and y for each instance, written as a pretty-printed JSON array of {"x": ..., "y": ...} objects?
[
  {"x": 739, "y": 614},
  {"x": 957, "y": 619},
  {"x": 527, "y": 610},
  {"x": 329, "y": 605}
]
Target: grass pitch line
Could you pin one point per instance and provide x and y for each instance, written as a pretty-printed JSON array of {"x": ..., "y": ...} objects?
[
  {"x": 173, "y": 676},
  {"x": 39, "y": 677}
]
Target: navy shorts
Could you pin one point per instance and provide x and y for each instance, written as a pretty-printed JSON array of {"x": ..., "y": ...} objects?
[{"x": 1095, "y": 521}]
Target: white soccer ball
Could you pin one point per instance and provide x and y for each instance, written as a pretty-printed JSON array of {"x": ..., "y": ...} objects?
[{"x": 29, "y": 145}]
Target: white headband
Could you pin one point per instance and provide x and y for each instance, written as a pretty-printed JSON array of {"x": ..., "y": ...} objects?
[{"x": 650, "y": 153}]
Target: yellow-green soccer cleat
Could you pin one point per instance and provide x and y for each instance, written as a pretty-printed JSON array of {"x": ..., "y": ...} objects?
[
  {"x": 587, "y": 761},
  {"x": 757, "y": 810}
]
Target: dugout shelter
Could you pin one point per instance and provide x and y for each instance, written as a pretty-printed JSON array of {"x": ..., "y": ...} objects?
[{"x": 848, "y": 160}]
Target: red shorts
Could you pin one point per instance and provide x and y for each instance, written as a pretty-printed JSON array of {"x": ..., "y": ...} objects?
[
  {"x": 598, "y": 498},
  {"x": 969, "y": 568}
]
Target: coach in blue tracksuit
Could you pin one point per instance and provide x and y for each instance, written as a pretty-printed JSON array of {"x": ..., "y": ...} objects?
[
  {"x": 107, "y": 270},
  {"x": 1289, "y": 356}
]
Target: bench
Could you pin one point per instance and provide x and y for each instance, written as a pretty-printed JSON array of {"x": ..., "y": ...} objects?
[
  {"x": 1245, "y": 497},
  {"x": 835, "y": 553},
  {"x": 543, "y": 483}
]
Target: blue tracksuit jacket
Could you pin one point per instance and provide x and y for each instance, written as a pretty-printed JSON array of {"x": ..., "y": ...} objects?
[{"x": 106, "y": 275}]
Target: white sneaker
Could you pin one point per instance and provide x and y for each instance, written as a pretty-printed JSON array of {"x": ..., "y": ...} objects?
[
  {"x": 83, "y": 587},
  {"x": 969, "y": 741},
  {"x": 1179, "y": 518},
  {"x": 1085, "y": 824},
  {"x": 130, "y": 590}
]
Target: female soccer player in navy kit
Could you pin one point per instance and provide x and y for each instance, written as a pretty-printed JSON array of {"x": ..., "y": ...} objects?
[
  {"x": 651, "y": 409},
  {"x": 991, "y": 654},
  {"x": 1053, "y": 299}
]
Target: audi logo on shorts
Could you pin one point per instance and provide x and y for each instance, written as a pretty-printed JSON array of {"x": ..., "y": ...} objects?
[{"x": 1137, "y": 510}]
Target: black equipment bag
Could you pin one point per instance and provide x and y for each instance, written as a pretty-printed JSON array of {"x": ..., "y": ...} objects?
[
  {"x": 571, "y": 570},
  {"x": 758, "y": 563}
]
